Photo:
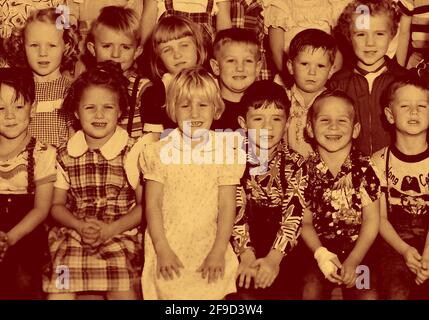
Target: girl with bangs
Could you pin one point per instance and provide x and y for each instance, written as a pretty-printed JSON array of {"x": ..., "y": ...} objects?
[{"x": 190, "y": 198}]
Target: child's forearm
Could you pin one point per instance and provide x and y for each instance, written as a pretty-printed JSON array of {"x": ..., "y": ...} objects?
[
  {"x": 404, "y": 38},
  {"x": 26, "y": 225},
  {"x": 227, "y": 207},
  {"x": 223, "y": 16},
  {"x": 308, "y": 233},
  {"x": 64, "y": 217},
  {"x": 148, "y": 18},
  {"x": 129, "y": 221},
  {"x": 276, "y": 39},
  {"x": 425, "y": 254}
]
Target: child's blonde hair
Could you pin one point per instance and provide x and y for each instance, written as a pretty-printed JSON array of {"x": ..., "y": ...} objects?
[
  {"x": 173, "y": 28},
  {"x": 15, "y": 44},
  {"x": 190, "y": 83},
  {"x": 387, "y": 7}
]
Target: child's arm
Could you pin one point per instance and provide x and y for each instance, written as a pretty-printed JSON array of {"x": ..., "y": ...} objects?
[
  {"x": 148, "y": 19},
  {"x": 167, "y": 259},
  {"x": 276, "y": 39},
  {"x": 367, "y": 234},
  {"x": 42, "y": 204},
  {"x": 404, "y": 39},
  {"x": 327, "y": 261},
  {"x": 214, "y": 264},
  {"x": 423, "y": 272},
  {"x": 223, "y": 16}
]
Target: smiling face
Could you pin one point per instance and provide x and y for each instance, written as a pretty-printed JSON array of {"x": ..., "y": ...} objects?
[
  {"x": 237, "y": 67},
  {"x": 98, "y": 113},
  {"x": 178, "y": 54},
  {"x": 265, "y": 126},
  {"x": 14, "y": 114},
  {"x": 311, "y": 69},
  {"x": 409, "y": 111},
  {"x": 115, "y": 45},
  {"x": 370, "y": 45},
  {"x": 44, "y": 48},
  {"x": 333, "y": 126}
]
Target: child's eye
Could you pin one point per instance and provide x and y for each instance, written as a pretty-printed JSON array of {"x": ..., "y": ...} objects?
[
  {"x": 359, "y": 34},
  {"x": 257, "y": 119},
  {"x": 204, "y": 105},
  {"x": 52, "y": 45},
  {"x": 109, "y": 106},
  {"x": 423, "y": 106},
  {"x": 184, "y": 44},
  {"x": 304, "y": 64},
  {"x": 19, "y": 107},
  {"x": 126, "y": 47},
  {"x": 321, "y": 66},
  {"x": 278, "y": 119},
  {"x": 249, "y": 60},
  {"x": 230, "y": 60},
  {"x": 404, "y": 106},
  {"x": 166, "y": 50},
  {"x": 381, "y": 33},
  {"x": 105, "y": 46},
  {"x": 33, "y": 45},
  {"x": 183, "y": 106}
]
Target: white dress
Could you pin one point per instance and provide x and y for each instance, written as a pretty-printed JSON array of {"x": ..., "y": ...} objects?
[{"x": 189, "y": 211}]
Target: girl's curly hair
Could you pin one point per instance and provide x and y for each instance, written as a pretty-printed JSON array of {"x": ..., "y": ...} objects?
[
  {"x": 14, "y": 46},
  {"x": 387, "y": 7},
  {"x": 106, "y": 74}
]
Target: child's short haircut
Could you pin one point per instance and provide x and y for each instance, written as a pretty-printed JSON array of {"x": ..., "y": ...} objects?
[
  {"x": 389, "y": 93},
  {"x": 191, "y": 83},
  {"x": 15, "y": 45},
  {"x": 236, "y": 35},
  {"x": 375, "y": 7},
  {"x": 314, "y": 39},
  {"x": 263, "y": 93},
  {"x": 312, "y": 112},
  {"x": 107, "y": 74},
  {"x": 119, "y": 19},
  {"x": 22, "y": 82},
  {"x": 173, "y": 28}
]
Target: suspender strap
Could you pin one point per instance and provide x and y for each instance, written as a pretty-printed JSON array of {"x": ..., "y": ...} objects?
[
  {"x": 133, "y": 103},
  {"x": 30, "y": 166}
]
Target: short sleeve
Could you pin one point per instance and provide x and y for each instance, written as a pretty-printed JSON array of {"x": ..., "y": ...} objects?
[
  {"x": 379, "y": 162},
  {"x": 231, "y": 171},
  {"x": 63, "y": 180},
  {"x": 277, "y": 14},
  {"x": 150, "y": 163},
  {"x": 132, "y": 163},
  {"x": 45, "y": 164},
  {"x": 370, "y": 186}
]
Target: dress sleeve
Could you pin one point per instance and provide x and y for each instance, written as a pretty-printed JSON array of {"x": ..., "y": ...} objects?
[
  {"x": 151, "y": 164},
  {"x": 233, "y": 167},
  {"x": 45, "y": 165},
  {"x": 63, "y": 180},
  {"x": 276, "y": 14}
]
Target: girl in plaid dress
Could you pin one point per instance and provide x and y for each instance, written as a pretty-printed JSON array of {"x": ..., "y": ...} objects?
[
  {"x": 49, "y": 48},
  {"x": 97, "y": 195}
]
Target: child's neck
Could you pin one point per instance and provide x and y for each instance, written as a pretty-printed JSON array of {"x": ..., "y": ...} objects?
[
  {"x": 308, "y": 96},
  {"x": 334, "y": 160},
  {"x": 47, "y": 78},
  {"x": 372, "y": 67},
  {"x": 411, "y": 145},
  {"x": 9, "y": 146},
  {"x": 230, "y": 96}
]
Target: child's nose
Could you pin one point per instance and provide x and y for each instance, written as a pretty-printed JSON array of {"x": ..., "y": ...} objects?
[
  {"x": 195, "y": 112},
  {"x": 312, "y": 70},
  {"x": 10, "y": 114},
  {"x": 239, "y": 65},
  {"x": 369, "y": 39},
  {"x": 99, "y": 113},
  {"x": 43, "y": 51},
  {"x": 177, "y": 54},
  {"x": 116, "y": 53},
  {"x": 414, "y": 109}
]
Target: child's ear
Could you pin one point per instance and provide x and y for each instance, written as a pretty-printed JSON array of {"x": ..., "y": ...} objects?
[
  {"x": 289, "y": 66},
  {"x": 215, "y": 67},
  {"x": 309, "y": 129},
  {"x": 76, "y": 115},
  {"x": 33, "y": 109},
  {"x": 258, "y": 67},
  {"x": 138, "y": 52},
  {"x": 242, "y": 122},
  {"x": 356, "y": 130},
  {"x": 91, "y": 48},
  {"x": 389, "y": 115}
]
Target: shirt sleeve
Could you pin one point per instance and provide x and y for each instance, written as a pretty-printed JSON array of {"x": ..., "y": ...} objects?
[
  {"x": 63, "y": 180},
  {"x": 370, "y": 186},
  {"x": 293, "y": 207},
  {"x": 45, "y": 165}
]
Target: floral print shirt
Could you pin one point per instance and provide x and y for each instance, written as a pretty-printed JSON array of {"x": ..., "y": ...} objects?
[{"x": 337, "y": 202}]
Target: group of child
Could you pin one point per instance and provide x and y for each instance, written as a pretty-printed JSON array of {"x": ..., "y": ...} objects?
[{"x": 198, "y": 184}]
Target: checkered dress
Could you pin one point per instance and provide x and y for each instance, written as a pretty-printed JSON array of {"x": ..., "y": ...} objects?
[
  {"x": 204, "y": 19},
  {"x": 98, "y": 189},
  {"x": 248, "y": 14},
  {"x": 48, "y": 125}
]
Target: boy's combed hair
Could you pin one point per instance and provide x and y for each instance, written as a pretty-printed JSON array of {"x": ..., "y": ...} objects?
[
  {"x": 174, "y": 28},
  {"x": 314, "y": 39},
  {"x": 389, "y": 93},
  {"x": 263, "y": 93},
  {"x": 191, "y": 83},
  {"x": 107, "y": 74},
  {"x": 375, "y": 7},
  {"x": 15, "y": 45},
  {"x": 312, "y": 112},
  {"x": 22, "y": 82},
  {"x": 236, "y": 35}
]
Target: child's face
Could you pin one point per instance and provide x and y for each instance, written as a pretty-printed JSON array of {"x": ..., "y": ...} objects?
[
  {"x": 110, "y": 44},
  {"x": 237, "y": 68},
  {"x": 98, "y": 114},
  {"x": 44, "y": 48},
  {"x": 332, "y": 125},
  {"x": 311, "y": 69},
  {"x": 194, "y": 117},
  {"x": 178, "y": 54},
  {"x": 370, "y": 45},
  {"x": 270, "y": 118},
  {"x": 409, "y": 110},
  {"x": 14, "y": 115}
]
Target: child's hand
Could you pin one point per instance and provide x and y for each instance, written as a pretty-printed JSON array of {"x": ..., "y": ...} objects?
[
  {"x": 167, "y": 263},
  {"x": 89, "y": 232},
  {"x": 412, "y": 259},
  {"x": 268, "y": 270},
  {"x": 328, "y": 264},
  {"x": 213, "y": 265},
  {"x": 348, "y": 272},
  {"x": 423, "y": 272},
  {"x": 245, "y": 271},
  {"x": 4, "y": 245},
  {"x": 105, "y": 231}
]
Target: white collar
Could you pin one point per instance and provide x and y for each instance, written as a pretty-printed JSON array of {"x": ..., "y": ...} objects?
[
  {"x": 206, "y": 143},
  {"x": 294, "y": 92},
  {"x": 77, "y": 146}
]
